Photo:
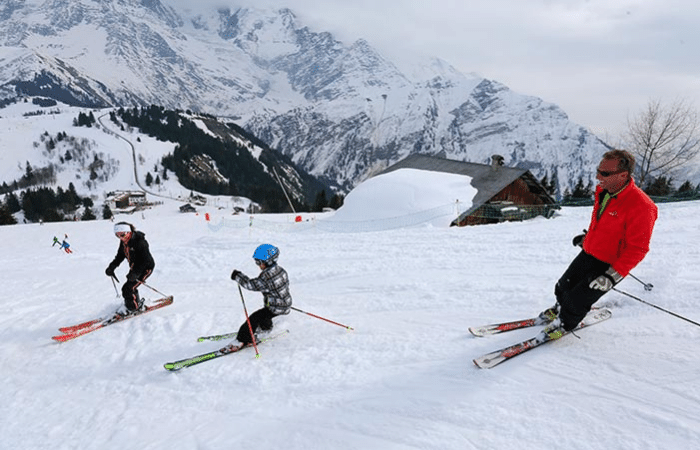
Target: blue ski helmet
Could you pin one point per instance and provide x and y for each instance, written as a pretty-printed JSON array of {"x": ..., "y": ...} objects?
[{"x": 267, "y": 254}]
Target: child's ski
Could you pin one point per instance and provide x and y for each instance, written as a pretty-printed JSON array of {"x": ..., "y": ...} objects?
[{"x": 189, "y": 362}]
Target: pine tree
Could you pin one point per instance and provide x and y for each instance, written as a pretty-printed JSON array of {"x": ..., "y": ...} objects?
[
  {"x": 88, "y": 214},
  {"x": 29, "y": 173},
  {"x": 321, "y": 201},
  {"x": 12, "y": 203},
  {"x": 6, "y": 217},
  {"x": 73, "y": 198},
  {"x": 660, "y": 187},
  {"x": 686, "y": 190},
  {"x": 107, "y": 212},
  {"x": 336, "y": 201}
]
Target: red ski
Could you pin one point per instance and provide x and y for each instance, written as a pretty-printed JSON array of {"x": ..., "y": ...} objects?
[
  {"x": 81, "y": 329},
  {"x": 74, "y": 328},
  {"x": 493, "y": 359},
  {"x": 486, "y": 330}
]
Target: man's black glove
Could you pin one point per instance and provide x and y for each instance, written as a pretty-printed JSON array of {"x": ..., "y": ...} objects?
[
  {"x": 606, "y": 281},
  {"x": 234, "y": 273},
  {"x": 131, "y": 276},
  {"x": 109, "y": 271},
  {"x": 578, "y": 239}
]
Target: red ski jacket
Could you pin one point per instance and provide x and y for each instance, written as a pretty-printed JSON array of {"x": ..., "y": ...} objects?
[{"x": 620, "y": 237}]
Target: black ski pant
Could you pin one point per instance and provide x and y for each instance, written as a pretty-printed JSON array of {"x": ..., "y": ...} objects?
[
  {"x": 130, "y": 290},
  {"x": 261, "y": 318},
  {"x": 573, "y": 292}
]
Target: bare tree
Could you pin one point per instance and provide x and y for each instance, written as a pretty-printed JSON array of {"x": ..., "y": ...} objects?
[{"x": 664, "y": 138}]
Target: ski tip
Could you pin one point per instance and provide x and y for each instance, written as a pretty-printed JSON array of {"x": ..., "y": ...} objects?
[
  {"x": 480, "y": 364},
  {"x": 173, "y": 367},
  {"x": 485, "y": 364}
]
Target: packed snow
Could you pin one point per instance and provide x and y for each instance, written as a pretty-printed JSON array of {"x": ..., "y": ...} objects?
[
  {"x": 405, "y": 192},
  {"x": 402, "y": 379}
]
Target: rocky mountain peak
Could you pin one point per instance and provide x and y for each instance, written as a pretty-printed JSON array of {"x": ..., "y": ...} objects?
[{"x": 339, "y": 110}]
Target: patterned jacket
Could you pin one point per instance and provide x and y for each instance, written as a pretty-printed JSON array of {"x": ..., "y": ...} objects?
[{"x": 273, "y": 282}]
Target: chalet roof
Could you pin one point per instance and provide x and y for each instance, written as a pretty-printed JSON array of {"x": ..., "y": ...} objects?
[{"x": 487, "y": 180}]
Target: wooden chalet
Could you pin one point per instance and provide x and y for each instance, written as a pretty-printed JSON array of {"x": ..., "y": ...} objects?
[{"x": 503, "y": 193}]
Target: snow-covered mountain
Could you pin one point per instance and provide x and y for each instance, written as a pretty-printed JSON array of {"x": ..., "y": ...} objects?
[{"x": 341, "y": 111}]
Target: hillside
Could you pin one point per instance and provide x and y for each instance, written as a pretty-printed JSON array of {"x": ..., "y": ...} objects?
[{"x": 166, "y": 153}]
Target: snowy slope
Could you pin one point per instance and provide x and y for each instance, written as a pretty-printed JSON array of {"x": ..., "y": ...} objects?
[{"x": 402, "y": 380}]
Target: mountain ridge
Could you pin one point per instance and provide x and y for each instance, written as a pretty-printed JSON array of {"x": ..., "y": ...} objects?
[{"x": 339, "y": 111}]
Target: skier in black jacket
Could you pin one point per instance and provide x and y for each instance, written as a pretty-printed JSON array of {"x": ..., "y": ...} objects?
[{"x": 134, "y": 248}]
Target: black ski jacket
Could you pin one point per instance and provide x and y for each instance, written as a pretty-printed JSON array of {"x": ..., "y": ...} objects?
[{"x": 136, "y": 252}]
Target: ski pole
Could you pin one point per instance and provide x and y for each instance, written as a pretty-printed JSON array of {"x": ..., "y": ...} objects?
[
  {"x": 647, "y": 286},
  {"x": 154, "y": 289},
  {"x": 318, "y": 317},
  {"x": 247, "y": 319},
  {"x": 113, "y": 277},
  {"x": 657, "y": 307}
]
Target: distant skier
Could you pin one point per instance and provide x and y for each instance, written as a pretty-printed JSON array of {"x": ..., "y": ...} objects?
[
  {"x": 273, "y": 282},
  {"x": 134, "y": 248},
  {"x": 616, "y": 241},
  {"x": 64, "y": 245}
]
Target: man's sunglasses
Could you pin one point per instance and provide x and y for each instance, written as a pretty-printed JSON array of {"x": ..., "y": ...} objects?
[
  {"x": 121, "y": 234},
  {"x": 606, "y": 174}
]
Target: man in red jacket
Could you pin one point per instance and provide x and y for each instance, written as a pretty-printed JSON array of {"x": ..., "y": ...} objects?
[{"x": 616, "y": 241}]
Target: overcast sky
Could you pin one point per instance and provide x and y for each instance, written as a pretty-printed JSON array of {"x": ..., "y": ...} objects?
[{"x": 601, "y": 61}]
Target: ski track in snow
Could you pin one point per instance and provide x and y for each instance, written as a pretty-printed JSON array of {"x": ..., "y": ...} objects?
[{"x": 404, "y": 379}]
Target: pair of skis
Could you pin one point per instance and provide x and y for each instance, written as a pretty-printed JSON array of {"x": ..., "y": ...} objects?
[
  {"x": 189, "y": 362},
  {"x": 81, "y": 329},
  {"x": 493, "y": 359},
  {"x": 71, "y": 332}
]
